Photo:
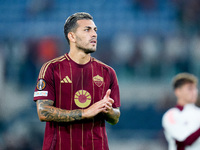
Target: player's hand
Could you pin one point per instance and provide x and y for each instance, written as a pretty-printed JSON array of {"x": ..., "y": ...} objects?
[
  {"x": 108, "y": 102},
  {"x": 104, "y": 105}
]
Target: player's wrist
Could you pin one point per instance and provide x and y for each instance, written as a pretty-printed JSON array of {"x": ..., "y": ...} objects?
[
  {"x": 84, "y": 114},
  {"x": 109, "y": 111}
]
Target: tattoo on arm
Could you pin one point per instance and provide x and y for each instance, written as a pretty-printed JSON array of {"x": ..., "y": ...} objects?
[
  {"x": 47, "y": 112},
  {"x": 113, "y": 116}
]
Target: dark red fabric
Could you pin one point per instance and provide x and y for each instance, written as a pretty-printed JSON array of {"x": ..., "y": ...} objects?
[
  {"x": 189, "y": 140},
  {"x": 180, "y": 146},
  {"x": 179, "y": 107},
  {"x": 95, "y": 78}
]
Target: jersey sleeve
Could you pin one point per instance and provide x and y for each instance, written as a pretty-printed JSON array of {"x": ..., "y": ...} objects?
[
  {"x": 190, "y": 139},
  {"x": 114, "y": 86},
  {"x": 45, "y": 84},
  {"x": 175, "y": 127}
]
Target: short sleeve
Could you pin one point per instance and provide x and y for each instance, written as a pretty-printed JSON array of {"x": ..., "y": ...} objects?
[
  {"x": 45, "y": 84},
  {"x": 114, "y": 86}
]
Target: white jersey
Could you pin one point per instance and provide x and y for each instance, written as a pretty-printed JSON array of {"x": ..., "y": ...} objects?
[{"x": 180, "y": 124}]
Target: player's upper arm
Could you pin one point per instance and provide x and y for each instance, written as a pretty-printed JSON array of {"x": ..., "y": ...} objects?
[
  {"x": 115, "y": 116},
  {"x": 45, "y": 102},
  {"x": 43, "y": 106},
  {"x": 172, "y": 125},
  {"x": 117, "y": 110},
  {"x": 45, "y": 83},
  {"x": 114, "y": 86}
]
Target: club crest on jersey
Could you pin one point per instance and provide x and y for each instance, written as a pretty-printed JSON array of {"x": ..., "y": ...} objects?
[
  {"x": 98, "y": 80},
  {"x": 82, "y": 98},
  {"x": 41, "y": 84}
]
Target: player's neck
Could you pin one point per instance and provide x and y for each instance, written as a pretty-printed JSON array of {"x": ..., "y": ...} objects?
[
  {"x": 181, "y": 102},
  {"x": 79, "y": 57}
]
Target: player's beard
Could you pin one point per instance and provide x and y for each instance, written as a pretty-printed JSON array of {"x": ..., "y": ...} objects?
[{"x": 86, "y": 50}]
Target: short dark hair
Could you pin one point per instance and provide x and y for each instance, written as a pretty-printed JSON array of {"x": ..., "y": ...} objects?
[
  {"x": 183, "y": 78},
  {"x": 71, "y": 22}
]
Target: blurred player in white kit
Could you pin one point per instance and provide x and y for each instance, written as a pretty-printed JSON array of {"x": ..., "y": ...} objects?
[{"x": 182, "y": 123}]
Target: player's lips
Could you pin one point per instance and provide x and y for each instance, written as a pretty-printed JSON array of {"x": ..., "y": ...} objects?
[{"x": 93, "y": 41}]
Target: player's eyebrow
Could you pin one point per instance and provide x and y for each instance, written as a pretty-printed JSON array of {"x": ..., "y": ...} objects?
[{"x": 89, "y": 27}]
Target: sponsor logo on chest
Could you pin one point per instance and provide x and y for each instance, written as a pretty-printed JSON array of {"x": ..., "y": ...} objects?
[{"x": 82, "y": 98}]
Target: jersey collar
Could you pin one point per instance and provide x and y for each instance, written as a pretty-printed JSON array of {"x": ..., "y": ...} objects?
[
  {"x": 78, "y": 65},
  {"x": 179, "y": 107}
]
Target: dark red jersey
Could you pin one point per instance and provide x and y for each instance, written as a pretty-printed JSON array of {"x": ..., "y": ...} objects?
[{"x": 73, "y": 86}]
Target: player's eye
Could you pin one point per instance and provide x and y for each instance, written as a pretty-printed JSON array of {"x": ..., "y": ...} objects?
[{"x": 86, "y": 30}]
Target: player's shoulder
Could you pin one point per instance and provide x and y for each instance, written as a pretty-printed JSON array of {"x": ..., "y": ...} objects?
[
  {"x": 56, "y": 60},
  {"x": 171, "y": 114},
  {"x": 192, "y": 109},
  {"x": 172, "y": 110},
  {"x": 50, "y": 65},
  {"x": 105, "y": 66}
]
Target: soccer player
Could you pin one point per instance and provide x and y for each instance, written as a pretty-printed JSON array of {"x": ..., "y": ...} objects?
[
  {"x": 76, "y": 93},
  {"x": 182, "y": 123}
]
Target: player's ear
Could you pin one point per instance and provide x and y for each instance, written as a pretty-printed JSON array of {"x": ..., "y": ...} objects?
[{"x": 71, "y": 37}]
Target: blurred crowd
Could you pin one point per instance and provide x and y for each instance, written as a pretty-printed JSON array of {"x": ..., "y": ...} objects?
[{"x": 150, "y": 56}]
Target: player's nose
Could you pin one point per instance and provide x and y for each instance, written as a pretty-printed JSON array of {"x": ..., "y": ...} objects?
[{"x": 94, "y": 33}]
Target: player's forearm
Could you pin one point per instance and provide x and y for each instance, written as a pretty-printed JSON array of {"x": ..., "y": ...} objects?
[
  {"x": 191, "y": 138},
  {"x": 51, "y": 113},
  {"x": 112, "y": 116}
]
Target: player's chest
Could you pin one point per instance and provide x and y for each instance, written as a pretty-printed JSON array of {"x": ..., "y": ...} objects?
[
  {"x": 80, "y": 86},
  {"x": 81, "y": 77},
  {"x": 190, "y": 118}
]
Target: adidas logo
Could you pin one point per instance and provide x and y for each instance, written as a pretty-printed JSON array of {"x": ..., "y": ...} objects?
[{"x": 66, "y": 80}]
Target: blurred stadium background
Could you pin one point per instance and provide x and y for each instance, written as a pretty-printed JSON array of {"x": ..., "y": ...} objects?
[{"x": 147, "y": 42}]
